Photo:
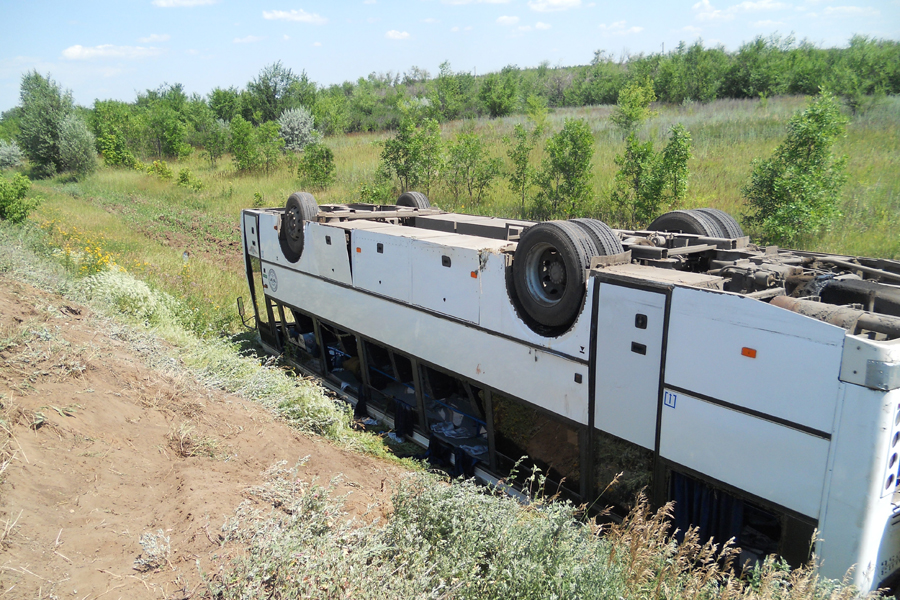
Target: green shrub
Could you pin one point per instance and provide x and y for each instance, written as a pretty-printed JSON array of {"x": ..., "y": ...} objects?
[
  {"x": 160, "y": 169},
  {"x": 316, "y": 168},
  {"x": 296, "y": 128},
  {"x": 470, "y": 170},
  {"x": 187, "y": 179},
  {"x": 564, "y": 180},
  {"x": 796, "y": 191},
  {"x": 14, "y": 207}
]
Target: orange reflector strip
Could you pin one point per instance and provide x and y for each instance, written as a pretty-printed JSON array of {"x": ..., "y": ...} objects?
[
  {"x": 359, "y": 250},
  {"x": 474, "y": 274},
  {"x": 748, "y": 352}
]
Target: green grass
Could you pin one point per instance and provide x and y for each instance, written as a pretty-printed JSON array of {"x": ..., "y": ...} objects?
[{"x": 145, "y": 224}]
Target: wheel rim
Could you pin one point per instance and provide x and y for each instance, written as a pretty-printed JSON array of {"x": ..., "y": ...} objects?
[
  {"x": 546, "y": 274},
  {"x": 294, "y": 220}
]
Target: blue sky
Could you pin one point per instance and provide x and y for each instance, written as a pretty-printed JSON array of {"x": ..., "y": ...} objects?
[{"x": 105, "y": 49}]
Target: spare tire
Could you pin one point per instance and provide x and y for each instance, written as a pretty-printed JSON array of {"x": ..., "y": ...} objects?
[
  {"x": 300, "y": 207},
  {"x": 728, "y": 224},
  {"x": 549, "y": 272},
  {"x": 413, "y": 200},
  {"x": 607, "y": 242},
  {"x": 687, "y": 221}
]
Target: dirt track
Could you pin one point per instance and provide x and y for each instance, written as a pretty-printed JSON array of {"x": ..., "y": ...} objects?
[{"x": 102, "y": 449}]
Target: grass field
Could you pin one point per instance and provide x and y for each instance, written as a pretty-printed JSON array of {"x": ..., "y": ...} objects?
[
  {"x": 441, "y": 540},
  {"x": 145, "y": 224}
]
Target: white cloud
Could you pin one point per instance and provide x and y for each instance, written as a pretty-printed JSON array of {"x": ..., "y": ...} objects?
[
  {"x": 553, "y": 5},
  {"x": 468, "y": 28},
  {"x": 373, "y": 19},
  {"x": 180, "y": 3},
  {"x": 691, "y": 29},
  {"x": 393, "y": 34},
  {"x": 767, "y": 23},
  {"x": 457, "y": 2},
  {"x": 369, "y": 1},
  {"x": 286, "y": 37},
  {"x": 317, "y": 44},
  {"x": 851, "y": 11},
  {"x": 761, "y": 5},
  {"x": 706, "y": 12},
  {"x": 524, "y": 28},
  {"x": 298, "y": 15},
  {"x": 154, "y": 38},
  {"x": 618, "y": 28},
  {"x": 430, "y": 21},
  {"x": 542, "y": 26},
  {"x": 248, "y": 40},
  {"x": 78, "y": 52},
  {"x": 505, "y": 20}
]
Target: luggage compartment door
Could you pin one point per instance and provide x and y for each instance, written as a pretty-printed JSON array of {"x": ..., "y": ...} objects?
[{"x": 630, "y": 324}]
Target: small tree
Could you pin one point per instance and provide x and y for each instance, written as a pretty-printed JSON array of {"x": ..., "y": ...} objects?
[
  {"x": 521, "y": 174},
  {"x": 14, "y": 207},
  {"x": 414, "y": 155},
  {"x": 76, "y": 147},
  {"x": 564, "y": 180},
  {"x": 316, "y": 168},
  {"x": 648, "y": 183},
  {"x": 796, "y": 191},
  {"x": 216, "y": 141},
  {"x": 499, "y": 92},
  {"x": 44, "y": 107},
  {"x": 633, "y": 105},
  {"x": 10, "y": 154},
  {"x": 470, "y": 169},
  {"x": 270, "y": 144},
  {"x": 243, "y": 145},
  {"x": 296, "y": 126}
]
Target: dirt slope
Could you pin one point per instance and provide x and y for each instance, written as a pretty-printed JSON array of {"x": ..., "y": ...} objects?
[{"x": 102, "y": 449}]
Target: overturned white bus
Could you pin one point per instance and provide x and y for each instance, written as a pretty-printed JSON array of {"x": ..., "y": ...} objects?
[{"x": 757, "y": 387}]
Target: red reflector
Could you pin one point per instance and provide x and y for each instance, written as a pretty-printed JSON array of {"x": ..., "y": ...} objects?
[
  {"x": 748, "y": 352},
  {"x": 359, "y": 250},
  {"x": 474, "y": 274}
]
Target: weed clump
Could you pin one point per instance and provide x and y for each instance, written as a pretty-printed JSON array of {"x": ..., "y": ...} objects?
[{"x": 156, "y": 549}]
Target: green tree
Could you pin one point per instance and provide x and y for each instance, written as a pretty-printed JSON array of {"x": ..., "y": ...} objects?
[
  {"x": 447, "y": 94},
  {"x": 796, "y": 190},
  {"x": 648, "y": 182},
  {"x": 633, "y": 106},
  {"x": 116, "y": 129},
  {"x": 217, "y": 141},
  {"x": 225, "y": 103},
  {"x": 564, "y": 180},
  {"x": 521, "y": 174},
  {"x": 244, "y": 150},
  {"x": 414, "y": 155},
  {"x": 77, "y": 147},
  {"x": 499, "y": 92},
  {"x": 14, "y": 206},
  {"x": 270, "y": 144},
  {"x": 316, "y": 168},
  {"x": 331, "y": 112},
  {"x": 277, "y": 89},
  {"x": 44, "y": 107},
  {"x": 470, "y": 168}
]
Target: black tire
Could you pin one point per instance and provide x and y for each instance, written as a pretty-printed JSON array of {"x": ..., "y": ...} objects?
[
  {"x": 687, "y": 221},
  {"x": 300, "y": 207},
  {"x": 607, "y": 242},
  {"x": 413, "y": 200},
  {"x": 728, "y": 224},
  {"x": 549, "y": 271}
]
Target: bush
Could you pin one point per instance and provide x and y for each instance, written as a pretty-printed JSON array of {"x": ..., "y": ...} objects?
[
  {"x": 633, "y": 106},
  {"x": 650, "y": 182},
  {"x": 470, "y": 169},
  {"x": 14, "y": 207},
  {"x": 10, "y": 154},
  {"x": 795, "y": 192},
  {"x": 189, "y": 180},
  {"x": 316, "y": 167},
  {"x": 564, "y": 180},
  {"x": 160, "y": 169},
  {"x": 244, "y": 149},
  {"x": 296, "y": 126},
  {"x": 77, "y": 153}
]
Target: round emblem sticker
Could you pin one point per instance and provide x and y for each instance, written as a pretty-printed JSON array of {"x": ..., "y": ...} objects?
[{"x": 273, "y": 280}]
